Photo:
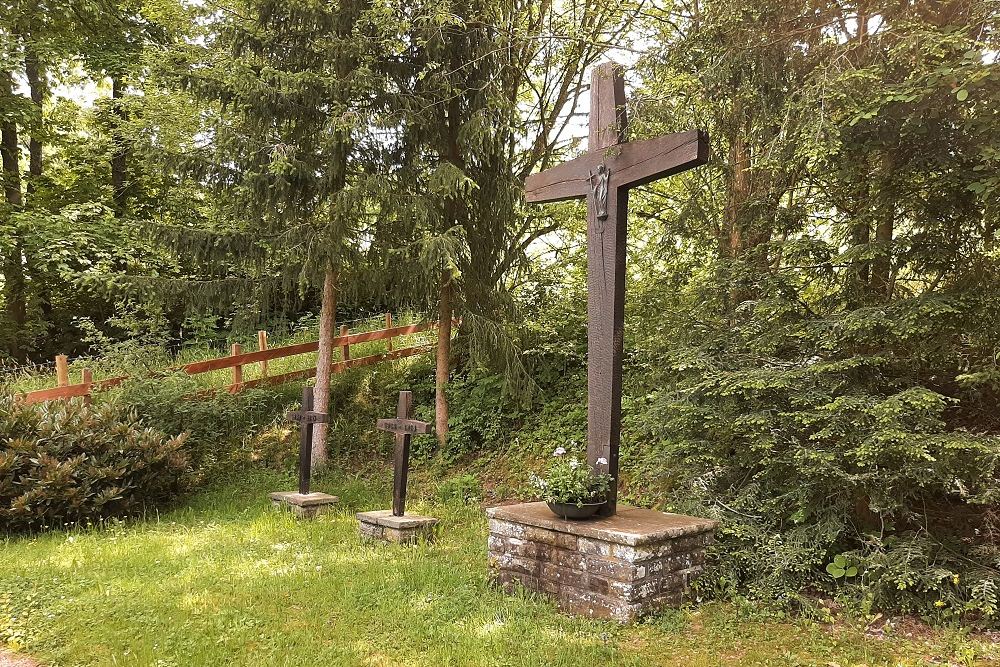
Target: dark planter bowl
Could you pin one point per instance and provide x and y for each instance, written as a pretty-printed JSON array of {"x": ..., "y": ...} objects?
[{"x": 573, "y": 511}]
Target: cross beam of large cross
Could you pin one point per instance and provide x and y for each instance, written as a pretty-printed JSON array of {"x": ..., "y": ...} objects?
[
  {"x": 604, "y": 176},
  {"x": 404, "y": 428}
]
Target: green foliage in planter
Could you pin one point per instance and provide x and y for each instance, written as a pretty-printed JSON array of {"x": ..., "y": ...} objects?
[
  {"x": 571, "y": 481},
  {"x": 64, "y": 463}
]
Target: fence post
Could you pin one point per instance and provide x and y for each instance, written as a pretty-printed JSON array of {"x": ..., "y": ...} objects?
[
  {"x": 62, "y": 370},
  {"x": 88, "y": 379},
  {"x": 262, "y": 345},
  {"x": 388, "y": 325},
  {"x": 237, "y": 370},
  {"x": 345, "y": 349}
]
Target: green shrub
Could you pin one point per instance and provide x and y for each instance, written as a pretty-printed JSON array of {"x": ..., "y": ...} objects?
[
  {"x": 64, "y": 463},
  {"x": 817, "y": 438},
  {"x": 461, "y": 488},
  {"x": 275, "y": 446},
  {"x": 221, "y": 428},
  {"x": 850, "y": 449}
]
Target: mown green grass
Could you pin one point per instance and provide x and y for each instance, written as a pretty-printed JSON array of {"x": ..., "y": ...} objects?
[{"x": 227, "y": 580}]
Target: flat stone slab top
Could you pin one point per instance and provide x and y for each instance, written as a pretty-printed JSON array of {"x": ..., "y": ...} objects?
[
  {"x": 630, "y": 526},
  {"x": 305, "y": 505},
  {"x": 385, "y": 518},
  {"x": 406, "y": 529},
  {"x": 304, "y": 499},
  {"x": 620, "y": 567}
]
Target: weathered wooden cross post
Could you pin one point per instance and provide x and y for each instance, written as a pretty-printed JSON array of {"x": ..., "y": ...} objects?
[
  {"x": 395, "y": 525},
  {"x": 404, "y": 427},
  {"x": 304, "y": 503},
  {"x": 629, "y": 561},
  {"x": 305, "y": 419},
  {"x": 603, "y": 176}
]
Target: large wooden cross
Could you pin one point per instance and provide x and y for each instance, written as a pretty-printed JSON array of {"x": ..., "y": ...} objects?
[
  {"x": 306, "y": 418},
  {"x": 404, "y": 427},
  {"x": 604, "y": 176}
]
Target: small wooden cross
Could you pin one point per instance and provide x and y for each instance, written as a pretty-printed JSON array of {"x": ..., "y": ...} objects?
[
  {"x": 306, "y": 418},
  {"x": 603, "y": 176},
  {"x": 404, "y": 427}
]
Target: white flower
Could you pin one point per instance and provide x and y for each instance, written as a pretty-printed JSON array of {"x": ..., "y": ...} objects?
[
  {"x": 602, "y": 461},
  {"x": 574, "y": 464},
  {"x": 559, "y": 451}
]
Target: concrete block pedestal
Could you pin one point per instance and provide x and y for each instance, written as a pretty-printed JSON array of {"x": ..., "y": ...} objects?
[
  {"x": 406, "y": 529},
  {"x": 620, "y": 567},
  {"x": 304, "y": 505}
]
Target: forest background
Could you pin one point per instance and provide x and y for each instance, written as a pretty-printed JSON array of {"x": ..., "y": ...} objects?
[{"x": 812, "y": 348}]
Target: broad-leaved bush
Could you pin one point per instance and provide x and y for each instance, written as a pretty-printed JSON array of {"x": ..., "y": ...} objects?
[{"x": 65, "y": 463}]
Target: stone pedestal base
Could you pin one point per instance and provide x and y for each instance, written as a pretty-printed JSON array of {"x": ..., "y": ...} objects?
[
  {"x": 304, "y": 506},
  {"x": 407, "y": 529},
  {"x": 620, "y": 567}
]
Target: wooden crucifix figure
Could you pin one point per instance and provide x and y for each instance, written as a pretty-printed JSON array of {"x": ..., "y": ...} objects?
[
  {"x": 404, "y": 427},
  {"x": 603, "y": 176},
  {"x": 306, "y": 418}
]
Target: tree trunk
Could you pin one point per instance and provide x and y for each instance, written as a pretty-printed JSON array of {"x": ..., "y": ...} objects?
[
  {"x": 739, "y": 188},
  {"x": 14, "y": 286},
  {"x": 119, "y": 155},
  {"x": 36, "y": 86},
  {"x": 860, "y": 275},
  {"x": 884, "y": 228},
  {"x": 324, "y": 363},
  {"x": 38, "y": 89},
  {"x": 9, "y": 149},
  {"x": 736, "y": 233},
  {"x": 443, "y": 359},
  {"x": 882, "y": 264}
]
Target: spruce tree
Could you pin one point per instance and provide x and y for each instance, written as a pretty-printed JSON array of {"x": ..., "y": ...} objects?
[
  {"x": 294, "y": 149},
  {"x": 488, "y": 94}
]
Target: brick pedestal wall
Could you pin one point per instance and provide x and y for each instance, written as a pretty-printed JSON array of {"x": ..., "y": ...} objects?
[
  {"x": 619, "y": 567},
  {"x": 407, "y": 529}
]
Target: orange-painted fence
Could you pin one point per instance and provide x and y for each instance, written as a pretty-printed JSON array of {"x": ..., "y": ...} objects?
[{"x": 238, "y": 359}]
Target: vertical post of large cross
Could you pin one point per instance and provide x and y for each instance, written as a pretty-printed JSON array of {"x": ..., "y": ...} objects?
[
  {"x": 603, "y": 176},
  {"x": 404, "y": 428}
]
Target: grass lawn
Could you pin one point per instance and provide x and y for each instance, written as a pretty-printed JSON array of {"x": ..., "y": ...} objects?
[{"x": 227, "y": 580}]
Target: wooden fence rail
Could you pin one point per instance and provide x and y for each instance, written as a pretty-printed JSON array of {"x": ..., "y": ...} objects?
[{"x": 238, "y": 359}]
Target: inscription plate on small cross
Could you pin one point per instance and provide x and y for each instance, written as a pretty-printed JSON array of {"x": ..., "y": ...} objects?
[
  {"x": 410, "y": 426},
  {"x": 308, "y": 417}
]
